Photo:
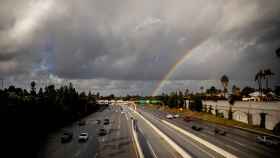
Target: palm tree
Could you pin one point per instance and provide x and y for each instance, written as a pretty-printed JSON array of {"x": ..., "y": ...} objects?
[
  {"x": 259, "y": 77},
  {"x": 267, "y": 75},
  {"x": 224, "y": 80}
]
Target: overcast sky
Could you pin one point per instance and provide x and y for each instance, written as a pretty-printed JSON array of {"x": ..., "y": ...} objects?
[{"x": 128, "y": 46}]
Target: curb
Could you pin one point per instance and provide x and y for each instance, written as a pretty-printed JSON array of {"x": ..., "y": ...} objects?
[
  {"x": 201, "y": 141},
  {"x": 256, "y": 132},
  {"x": 176, "y": 147}
]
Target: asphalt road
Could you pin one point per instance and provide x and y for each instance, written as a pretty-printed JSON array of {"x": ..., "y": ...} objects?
[
  {"x": 193, "y": 148},
  {"x": 240, "y": 143},
  {"x": 152, "y": 144},
  {"x": 120, "y": 143},
  {"x": 117, "y": 143}
]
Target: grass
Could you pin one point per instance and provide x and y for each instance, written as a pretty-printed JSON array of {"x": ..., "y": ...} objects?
[{"x": 209, "y": 118}]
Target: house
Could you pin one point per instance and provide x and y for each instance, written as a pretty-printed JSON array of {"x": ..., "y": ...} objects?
[{"x": 255, "y": 96}]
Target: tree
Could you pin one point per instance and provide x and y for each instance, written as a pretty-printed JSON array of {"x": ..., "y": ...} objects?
[
  {"x": 196, "y": 104},
  {"x": 258, "y": 78},
  {"x": 111, "y": 96},
  {"x": 201, "y": 89},
  {"x": 186, "y": 92},
  {"x": 247, "y": 90},
  {"x": 235, "y": 90},
  {"x": 97, "y": 94},
  {"x": 212, "y": 91},
  {"x": 33, "y": 88},
  {"x": 181, "y": 99},
  {"x": 53, "y": 108},
  {"x": 40, "y": 93},
  {"x": 172, "y": 100},
  {"x": 224, "y": 80},
  {"x": 231, "y": 101},
  {"x": 267, "y": 75}
]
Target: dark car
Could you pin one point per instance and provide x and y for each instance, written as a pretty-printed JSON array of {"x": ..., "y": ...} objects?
[
  {"x": 188, "y": 119},
  {"x": 220, "y": 132},
  {"x": 82, "y": 123},
  {"x": 102, "y": 132},
  {"x": 196, "y": 128},
  {"x": 269, "y": 141},
  {"x": 106, "y": 121},
  {"x": 66, "y": 137}
]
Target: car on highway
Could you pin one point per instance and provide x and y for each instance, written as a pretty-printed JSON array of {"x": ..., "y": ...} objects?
[
  {"x": 267, "y": 140},
  {"x": 66, "y": 137},
  {"x": 220, "y": 132},
  {"x": 83, "y": 137},
  {"x": 98, "y": 121},
  {"x": 188, "y": 119},
  {"x": 106, "y": 121},
  {"x": 176, "y": 116},
  {"x": 169, "y": 116},
  {"x": 82, "y": 123},
  {"x": 196, "y": 128},
  {"x": 102, "y": 132}
]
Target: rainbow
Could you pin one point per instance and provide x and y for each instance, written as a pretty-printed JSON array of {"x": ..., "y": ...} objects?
[
  {"x": 170, "y": 73},
  {"x": 174, "y": 68}
]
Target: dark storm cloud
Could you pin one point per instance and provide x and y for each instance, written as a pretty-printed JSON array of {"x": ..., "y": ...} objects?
[{"x": 138, "y": 40}]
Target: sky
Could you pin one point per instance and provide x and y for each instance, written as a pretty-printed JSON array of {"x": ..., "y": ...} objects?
[{"x": 129, "y": 46}]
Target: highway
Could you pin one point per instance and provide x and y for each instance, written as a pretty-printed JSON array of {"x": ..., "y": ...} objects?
[
  {"x": 143, "y": 133},
  {"x": 116, "y": 143},
  {"x": 240, "y": 143}
]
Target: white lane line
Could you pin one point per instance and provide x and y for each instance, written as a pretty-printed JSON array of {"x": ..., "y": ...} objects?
[
  {"x": 139, "y": 149},
  {"x": 152, "y": 150},
  {"x": 175, "y": 146},
  {"x": 233, "y": 148},
  {"x": 241, "y": 144},
  {"x": 140, "y": 130},
  {"x": 77, "y": 153},
  {"x": 193, "y": 144},
  {"x": 126, "y": 117},
  {"x": 202, "y": 141}
]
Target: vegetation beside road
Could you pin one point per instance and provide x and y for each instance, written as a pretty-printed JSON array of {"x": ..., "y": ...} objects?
[{"x": 28, "y": 116}]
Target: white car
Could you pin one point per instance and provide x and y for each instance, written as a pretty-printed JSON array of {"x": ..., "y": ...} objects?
[
  {"x": 176, "y": 116},
  {"x": 169, "y": 116},
  {"x": 83, "y": 137}
]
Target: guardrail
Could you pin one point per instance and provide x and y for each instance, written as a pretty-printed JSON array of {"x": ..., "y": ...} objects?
[{"x": 135, "y": 137}]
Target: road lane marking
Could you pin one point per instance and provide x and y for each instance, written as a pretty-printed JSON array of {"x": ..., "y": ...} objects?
[
  {"x": 138, "y": 147},
  {"x": 140, "y": 130},
  {"x": 175, "y": 146},
  {"x": 241, "y": 144},
  {"x": 77, "y": 153},
  {"x": 126, "y": 117},
  {"x": 152, "y": 150},
  {"x": 202, "y": 141},
  {"x": 192, "y": 143}
]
